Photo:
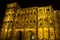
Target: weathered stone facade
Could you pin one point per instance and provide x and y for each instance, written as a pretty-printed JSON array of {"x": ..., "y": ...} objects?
[{"x": 33, "y": 23}]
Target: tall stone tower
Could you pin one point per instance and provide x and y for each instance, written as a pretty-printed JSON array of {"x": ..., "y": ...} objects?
[{"x": 33, "y": 23}]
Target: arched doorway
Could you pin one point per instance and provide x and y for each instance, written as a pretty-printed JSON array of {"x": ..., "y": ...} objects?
[{"x": 19, "y": 35}]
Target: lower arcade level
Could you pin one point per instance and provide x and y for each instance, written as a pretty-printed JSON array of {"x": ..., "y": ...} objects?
[{"x": 40, "y": 33}]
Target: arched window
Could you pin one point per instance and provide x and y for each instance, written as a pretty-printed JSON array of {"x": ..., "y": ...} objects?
[
  {"x": 16, "y": 22},
  {"x": 18, "y": 14},
  {"x": 10, "y": 21},
  {"x": 30, "y": 21},
  {"x": 7, "y": 21},
  {"x": 47, "y": 9},
  {"x": 51, "y": 23},
  {"x": 34, "y": 21},
  {"x": 40, "y": 23}
]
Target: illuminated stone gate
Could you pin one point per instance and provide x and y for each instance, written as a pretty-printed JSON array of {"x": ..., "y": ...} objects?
[{"x": 33, "y": 23}]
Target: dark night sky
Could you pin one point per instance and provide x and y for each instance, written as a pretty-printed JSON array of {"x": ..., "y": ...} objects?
[{"x": 28, "y": 3}]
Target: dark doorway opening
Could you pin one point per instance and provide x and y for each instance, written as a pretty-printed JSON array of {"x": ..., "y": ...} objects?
[{"x": 19, "y": 35}]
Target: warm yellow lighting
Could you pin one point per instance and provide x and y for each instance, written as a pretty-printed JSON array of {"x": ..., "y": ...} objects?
[
  {"x": 40, "y": 33},
  {"x": 52, "y": 34},
  {"x": 29, "y": 23},
  {"x": 9, "y": 32},
  {"x": 11, "y": 5},
  {"x": 46, "y": 33}
]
